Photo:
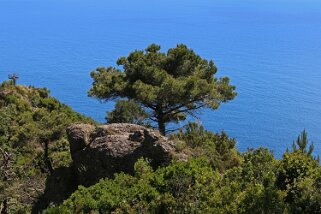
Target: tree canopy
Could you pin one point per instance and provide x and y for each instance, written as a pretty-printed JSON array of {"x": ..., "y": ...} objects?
[
  {"x": 127, "y": 111},
  {"x": 170, "y": 86}
]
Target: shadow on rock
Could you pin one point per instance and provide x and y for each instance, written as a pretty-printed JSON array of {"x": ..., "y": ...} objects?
[{"x": 59, "y": 186}]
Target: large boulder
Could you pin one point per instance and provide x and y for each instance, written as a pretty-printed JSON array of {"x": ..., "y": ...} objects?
[{"x": 101, "y": 151}]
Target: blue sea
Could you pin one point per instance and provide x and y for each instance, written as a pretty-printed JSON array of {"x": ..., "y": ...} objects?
[{"x": 270, "y": 49}]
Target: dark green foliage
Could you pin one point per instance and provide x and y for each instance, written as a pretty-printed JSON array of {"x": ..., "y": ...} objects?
[
  {"x": 169, "y": 85},
  {"x": 195, "y": 135},
  {"x": 301, "y": 144},
  {"x": 307, "y": 194},
  {"x": 138, "y": 194},
  {"x": 215, "y": 179},
  {"x": 146, "y": 192},
  {"x": 218, "y": 148},
  {"x": 32, "y": 130},
  {"x": 293, "y": 167},
  {"x": 127, "y": 111},
  {"x": 191, "y": 187},
  {"x": 255, "y": 181},
  {"x": 258, "y": 184}
]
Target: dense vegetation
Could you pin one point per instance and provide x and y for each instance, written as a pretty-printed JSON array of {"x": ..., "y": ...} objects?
[
  {"x": 216, "y": 180},
  {"x": 32, "y": 142},
  {"x": 157, "y": 88}
]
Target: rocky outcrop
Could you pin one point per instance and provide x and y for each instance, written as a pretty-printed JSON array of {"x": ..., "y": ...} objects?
[{"x": 101, "y": 151}]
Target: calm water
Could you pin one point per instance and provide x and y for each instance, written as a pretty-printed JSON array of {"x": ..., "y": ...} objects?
[{"x": 271, "y": 50}]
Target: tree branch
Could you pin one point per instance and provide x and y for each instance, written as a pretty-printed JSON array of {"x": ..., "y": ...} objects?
[
  {"x": 189, "y": 110},
  {"x": 182, "y": 105}
]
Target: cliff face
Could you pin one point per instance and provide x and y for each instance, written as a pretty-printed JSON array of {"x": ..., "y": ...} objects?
[{"x": 101, "y": 151}]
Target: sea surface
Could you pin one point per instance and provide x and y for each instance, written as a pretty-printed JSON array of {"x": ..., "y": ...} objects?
[{"x": 270, "y": 49}]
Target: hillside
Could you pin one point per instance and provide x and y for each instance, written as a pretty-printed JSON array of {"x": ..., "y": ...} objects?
[
  {"x": 32, "y": 142},
  {"x": 214, "y": 179},
  {"x": 55, "y": 160}
]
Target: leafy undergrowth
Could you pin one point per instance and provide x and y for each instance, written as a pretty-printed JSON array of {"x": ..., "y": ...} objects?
[
  {"x": 32, "y": 142},
  {"x": 260, "y": 184},
  {"x": 216, "y": 179}
]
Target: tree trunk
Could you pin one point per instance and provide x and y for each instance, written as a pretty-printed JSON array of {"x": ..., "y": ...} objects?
[
  {"x": 161, "y": 127},
  {"x": 160, "y": 119},
  {"x": 46, "y": 157}
]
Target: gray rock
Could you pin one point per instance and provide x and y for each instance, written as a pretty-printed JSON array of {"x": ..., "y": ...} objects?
[{"x": 101, "y": 151}]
